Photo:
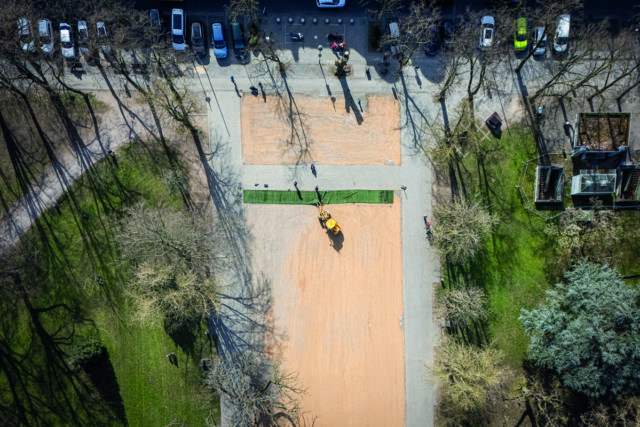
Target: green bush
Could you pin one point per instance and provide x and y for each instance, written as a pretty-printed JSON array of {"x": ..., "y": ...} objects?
[{"x": 85, "y": 351}]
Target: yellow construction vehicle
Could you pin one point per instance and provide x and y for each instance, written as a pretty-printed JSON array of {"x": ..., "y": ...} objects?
[{"x": 325, "y": 219}]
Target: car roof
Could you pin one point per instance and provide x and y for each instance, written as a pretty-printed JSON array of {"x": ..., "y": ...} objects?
[
  {"x": 65, "y": 35},
  {"x": 43, "y": 26}
]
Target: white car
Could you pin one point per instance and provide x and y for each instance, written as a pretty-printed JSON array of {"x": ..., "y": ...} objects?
[
  {"x": 561, "y": 39},
  {"x": 539, "y": 41},
  {"x": 487, "y": 26},
  {"x": 217, "y": 41},
  {"x": 26, "y": 35},
  {"x": 330, "y": 3},
  {"x": 66, "y": 41},
  {"x": 45, "y": 34},
  {"x": 177, "y": 29},
  {"x": 102, "y": 38}
]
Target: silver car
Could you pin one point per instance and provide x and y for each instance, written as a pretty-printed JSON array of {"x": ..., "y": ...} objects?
[
  {"x": 102, "y": 38},
  {"x": 66, "y": 41},
  {"x": 45, "y": 36},
  {"x": 539, "y": 42},
  {"x": 25, "y": 35}
]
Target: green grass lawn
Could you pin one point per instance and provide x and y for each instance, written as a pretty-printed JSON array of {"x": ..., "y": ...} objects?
[
  {"x": 76, "y": 250},
  {"x": 513, "y": 271}
]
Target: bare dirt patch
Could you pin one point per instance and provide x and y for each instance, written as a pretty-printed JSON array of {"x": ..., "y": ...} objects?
[
  {"x": 334, "y": 136},
  {"x": 338, "y": 311}
]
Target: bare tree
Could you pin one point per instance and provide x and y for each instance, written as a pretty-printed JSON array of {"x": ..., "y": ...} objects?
[
  {"x": 545, "y": 15},
  {"x": 464, "y": 307},
  {"x": 256, "y": 397},
  {"x": 465, "y": 62},
  {"x": 248, "y": 8},
  {"x": 447, "y": 144},
  {"x": 413, "y": 31},
  {"x": 594, "y": 234},
  {"x": 472, "y": 379},
  {"x": 460, "y": 228},
  {"x": 380, "y": 8},
  {"x": 173, "y": 253},
  {"x": 580, "y": 63}
]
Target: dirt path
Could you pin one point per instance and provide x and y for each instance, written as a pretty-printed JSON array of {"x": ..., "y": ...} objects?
[{"x": 338, "y": 311}]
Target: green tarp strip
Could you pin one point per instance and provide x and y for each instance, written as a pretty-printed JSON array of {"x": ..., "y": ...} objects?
[{"x": 277, "y": 197}]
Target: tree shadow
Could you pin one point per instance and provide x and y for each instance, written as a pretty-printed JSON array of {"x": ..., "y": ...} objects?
[
  {"x": 288, "y": 110},
  {"x": 184, "y": 336},
  {"x": 349, "y": 103},
  {"x": 411, "y": 110},
  {"x": 100, "y": 371},
  {"x": 43, "y": 388}
]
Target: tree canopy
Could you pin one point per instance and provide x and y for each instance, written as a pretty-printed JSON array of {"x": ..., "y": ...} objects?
[{"x": 588, "y": 332}]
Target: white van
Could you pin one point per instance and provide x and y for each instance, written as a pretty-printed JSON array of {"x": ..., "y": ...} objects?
[
  {"x": 394, "y": 33},
  {"x": 561, "y": 39}
]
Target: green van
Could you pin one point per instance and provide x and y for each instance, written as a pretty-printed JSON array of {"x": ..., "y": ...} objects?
[{"x": 238, "y": 43}]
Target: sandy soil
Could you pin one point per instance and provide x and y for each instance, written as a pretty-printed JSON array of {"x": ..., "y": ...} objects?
[
  {"x": 338, "y": 310},
  {"x": 335, "y": 136}
]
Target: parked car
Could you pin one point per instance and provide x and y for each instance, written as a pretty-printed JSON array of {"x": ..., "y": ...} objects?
[
  {"x": 154, "y": 17},
  {"x": 561, "y": 38},
  {"x": 25, "y": 35},
  {"x": 103, "y": 39},
  {"x": 83, "y": 38},
  {"x": 238, "y": 41},
  {"x": 446, "y": 33},
  {"x": 45, "y": 34},
  {"x": 540, "y": 41},
  {"x": 217, "y": 41},
  {"x": 157, "y": 25},
  {"x": 178, "y": 20},
  {"x": 330, "y": 3},
  {"x": 433, "y": 42},
  {"x": 198, "y": 43},
  {"x": 520, "y": 36},
  {"x": 394, "y": 35},
  {"x": 487, "y": 26},
  {"x": 66, "y": 41}
]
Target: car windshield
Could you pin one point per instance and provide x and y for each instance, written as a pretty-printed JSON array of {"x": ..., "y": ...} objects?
[
  {"x": 563, "y": 40},
  {"x": 67, "y": 45},
  {"x": 541, "y": 44},
  {"x": 488, "y": 34},
  {"x": 329, "y": 1},
  {"x": 521, "y": 37},
  {"x": 102, "y": 32},
  {"x": 178, "y": 39},
  {"x": 45, "y": 39},
  {"x": 219, "y": 44}
]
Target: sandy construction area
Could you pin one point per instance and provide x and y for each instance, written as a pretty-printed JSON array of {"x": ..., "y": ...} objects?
[
  {"x": 335, "y": 136},
  {"x": 338, "y": 311}
]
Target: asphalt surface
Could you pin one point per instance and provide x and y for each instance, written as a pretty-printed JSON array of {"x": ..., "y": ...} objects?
[{"x": 618, "y": 9}]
